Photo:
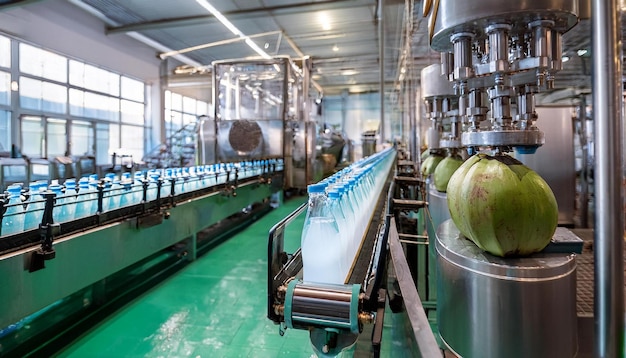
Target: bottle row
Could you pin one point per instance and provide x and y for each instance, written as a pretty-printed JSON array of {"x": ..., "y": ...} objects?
[
  {"x": 339, "y": 212},
  {"x": 23, "y": 206}
]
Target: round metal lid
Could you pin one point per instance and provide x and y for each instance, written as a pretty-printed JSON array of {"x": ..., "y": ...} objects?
[{"x": 454, "y": 247}]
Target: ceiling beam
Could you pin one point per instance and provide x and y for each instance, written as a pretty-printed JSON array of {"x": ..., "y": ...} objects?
[{"x": 236, "y": 14}]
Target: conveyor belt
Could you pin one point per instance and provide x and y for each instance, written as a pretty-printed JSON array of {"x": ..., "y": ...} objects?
[{"x": 215, "y": 307}]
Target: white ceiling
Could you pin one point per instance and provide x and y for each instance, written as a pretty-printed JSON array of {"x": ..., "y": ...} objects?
[{"x": 345, "y": 52}]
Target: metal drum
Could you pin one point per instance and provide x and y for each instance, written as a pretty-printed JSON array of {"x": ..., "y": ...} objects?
[{"x": 515, "y": 307}]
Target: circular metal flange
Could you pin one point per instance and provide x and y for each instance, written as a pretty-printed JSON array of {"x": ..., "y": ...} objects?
[
  {"x": 475, "y": 15},
  {"x": 450, "y": 143},
  {"x": 503, "y": 138}
]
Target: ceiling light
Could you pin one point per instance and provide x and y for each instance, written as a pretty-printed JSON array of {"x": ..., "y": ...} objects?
[
  {"x": 565, "y": 58},
  {"x": 581, "y": 52},
  {"x": 229, "y": 25},
  {"x": 266, "y": 46},
  {"x": 349, "y": 72},
  {"x": 324, "y": 21},
  {"x": 335, "y": 48}
]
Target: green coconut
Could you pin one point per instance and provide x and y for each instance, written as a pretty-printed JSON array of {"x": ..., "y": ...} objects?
[
  {"x": 429, "y": 164},
  {"x": 503, "y": 206},
  {"x": 444, "y": 171}
]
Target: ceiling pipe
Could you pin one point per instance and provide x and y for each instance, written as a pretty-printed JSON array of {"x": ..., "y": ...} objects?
[
  {"x": 165, "y": 55},
  {"x": 380, "y": 8}
]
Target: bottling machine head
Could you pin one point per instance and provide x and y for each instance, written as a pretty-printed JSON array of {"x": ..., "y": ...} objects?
[{"x": 499, "y": 54}]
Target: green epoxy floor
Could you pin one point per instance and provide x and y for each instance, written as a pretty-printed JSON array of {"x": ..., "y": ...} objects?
[{"x": 215, "y": 307}]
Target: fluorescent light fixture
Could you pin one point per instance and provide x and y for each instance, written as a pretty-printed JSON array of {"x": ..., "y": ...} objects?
[
  {"x": 229, "y": 25},
  {"x": 581, "y": 52},
  {"x": 565, "y": 58},
  {"x": 218, "y": 15},
  {"x": 349, "y": 72}
]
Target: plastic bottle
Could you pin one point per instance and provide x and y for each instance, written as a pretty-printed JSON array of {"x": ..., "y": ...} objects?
[
  {"x": 34, "y": 210},
  {"x": 13, "y": 220},
  {"x": 336, "y": 209},
  {"x": 68, "y": 206},
  {"x": 56, "y": 211},
  {"x": 321, "y": 242},
  {"x": 85, "y": 198}
]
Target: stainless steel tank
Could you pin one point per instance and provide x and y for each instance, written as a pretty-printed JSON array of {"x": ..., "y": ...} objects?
[
  {"x": 494, "y": 307},
  {"x": 438, "y": 210}
]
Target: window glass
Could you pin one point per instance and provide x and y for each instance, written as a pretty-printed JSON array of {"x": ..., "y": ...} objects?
[
  {"x": 189, "y": 105},
  {"x": 102, "y": 144},
  {"x": 77, "y": 73},
  {"x": 77, "y": 102},
  {"x": 82, "y": 138},
  {"x": 132, "y": 112},
  {"x": 54, "y": 67},
  {"x": 5, "y": 88},
  {"x": 97, "y": 79},
  {"x": 132, "y": 141},
  {"x": 56, "y": 143},
  {"x": 54, "y": 97},
  {"x": 32, "y": 136},
  {"x": 5, "y": 52},
  {"x": 177, "y": 102},
  {"x": 188, "y": 118},
  {"x": 30, "y": 93},
  {"x": 5, "y": 131},
  {"x": 114, "y": 137},
  {"x": 30, "y": 60},
  {"x": 132, "y": 89}
]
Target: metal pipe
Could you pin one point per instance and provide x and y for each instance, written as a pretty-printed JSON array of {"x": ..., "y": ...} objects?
[
  {"x": 381, "y": 55},
  {"x": 609, "y": 217},
  {"x": 584, "y": 179}
]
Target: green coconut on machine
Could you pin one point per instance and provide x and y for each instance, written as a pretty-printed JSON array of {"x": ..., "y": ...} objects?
[{"x": 501, "y": 205}]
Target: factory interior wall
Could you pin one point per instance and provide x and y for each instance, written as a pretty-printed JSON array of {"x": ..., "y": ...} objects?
[
  {"x": 355, "y": 113},
  {"x": 61, "y": 27}
]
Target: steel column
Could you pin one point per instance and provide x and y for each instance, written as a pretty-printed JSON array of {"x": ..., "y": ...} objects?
[{"x": 609, "y": 216}]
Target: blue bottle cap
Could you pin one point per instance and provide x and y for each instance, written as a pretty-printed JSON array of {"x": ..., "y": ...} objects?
[{"x": 316, "y": 188}]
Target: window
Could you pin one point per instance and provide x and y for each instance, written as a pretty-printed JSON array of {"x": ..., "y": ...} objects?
[
  {"x": 5, "y": 52},
  {"x": 62, "y": 96},
  {"x": 100, "y": 80},
  {"x": 82, "y": 138},
  {"x": 181, "y": 110},
  {"x": 56, "y": 145},
  {"x": 32, "y": 136},
  {"x": 5, "y": 131},
  {"x": 41, "y": 63},
  {"x": 132, "y": 141},
  {"x": 132, "y": 112},
  {"x": 42, "y": 96},
  {"x": 102, "y": 143},
  {"x": 132, "y": 89},
  {"x": 5, "y": 88}
]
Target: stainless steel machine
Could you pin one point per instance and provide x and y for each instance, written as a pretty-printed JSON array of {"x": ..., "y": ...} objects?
[
  {"x": 262, "y": 110},
  {"x": 498, "y": 55}
]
